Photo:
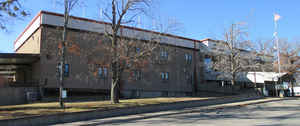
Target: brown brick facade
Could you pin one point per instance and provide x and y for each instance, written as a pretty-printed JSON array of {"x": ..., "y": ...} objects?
[{"x": 86, "y": 54}]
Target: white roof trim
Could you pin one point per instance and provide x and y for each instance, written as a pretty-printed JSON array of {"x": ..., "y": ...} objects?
[
  {"x": 31, "y": 28},
  {"x": 57, "y": 20}
]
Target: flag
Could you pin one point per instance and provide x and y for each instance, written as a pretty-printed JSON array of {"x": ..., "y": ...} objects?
[
  {"x": 276, "y": 17},
  {"x": 275, "y": 34}
]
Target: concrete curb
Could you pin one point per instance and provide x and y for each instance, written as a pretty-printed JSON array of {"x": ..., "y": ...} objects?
[{"x": 80, "y": 116}]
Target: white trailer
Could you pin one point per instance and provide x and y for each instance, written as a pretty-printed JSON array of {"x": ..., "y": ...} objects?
[{"x": 296, "y": 91}]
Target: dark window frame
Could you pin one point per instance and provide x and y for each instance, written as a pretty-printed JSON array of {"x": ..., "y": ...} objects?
[
  {"x": 137, "y": 74},
  {"x": 102, "y": 71},
  {"x": 188, "y": 58},
  {"x": 165, "y": 76},
  {"x": 164, "y": 54},
  {"x": 66, "y": 70}
]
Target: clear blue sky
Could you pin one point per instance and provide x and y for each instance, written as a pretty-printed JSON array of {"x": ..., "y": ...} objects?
[{"x": 200, "y": 18}]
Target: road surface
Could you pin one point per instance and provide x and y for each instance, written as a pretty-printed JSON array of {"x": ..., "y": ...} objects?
[{"x": 279, "y": 113}]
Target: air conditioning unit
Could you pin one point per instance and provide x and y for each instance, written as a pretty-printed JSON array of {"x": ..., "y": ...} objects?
[{"x": 31, "y": 96}]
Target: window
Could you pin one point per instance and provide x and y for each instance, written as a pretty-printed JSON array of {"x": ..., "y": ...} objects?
[
  {"x": 227, "y": 84},
  {"x": 167, "y": 75},
  {"x": 66, "y": 70},
  {"x": 57, "y": 70},
  {"x": 221, "y": 83},
  {"x": 137, "y": 74},
  {"x": 137, "y": 50},
  {"x": 102, "y": 72},
  {"x": 188, "y": 58},
  {"x": 164, "y": 75},
  {"x": 208, "y": 64},
  {"x": 105, "y": 71},
  {"x": 164, "y": 54}
]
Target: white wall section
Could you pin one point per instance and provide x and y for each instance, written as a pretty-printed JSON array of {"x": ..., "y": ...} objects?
[{"x": 30, "y": 29}]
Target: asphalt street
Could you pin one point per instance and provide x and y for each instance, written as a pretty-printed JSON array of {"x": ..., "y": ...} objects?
[{"x": 280, "y": 113}]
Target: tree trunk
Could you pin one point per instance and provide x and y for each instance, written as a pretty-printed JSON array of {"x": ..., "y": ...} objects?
[
  {"x": 114, "y": 84},
  {"x": 115, "y": 71},
  {"x": 293, "y": 93},
  {"x": 276, "y": 90},
  {"x": 61, "y": 102},
  {"x": 114, "y": 92},
  {"x": 232, "y": 86}
]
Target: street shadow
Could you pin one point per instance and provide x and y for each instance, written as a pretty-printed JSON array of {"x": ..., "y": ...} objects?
[
  {"x": 186, "y": 116},
  {"x": 273, "y": 125}
]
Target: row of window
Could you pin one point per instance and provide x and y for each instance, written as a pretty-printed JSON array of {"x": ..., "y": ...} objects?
[
  {"x": 135, "y": 74},
  {"x": 188, "y": 57},
  {"x": 164, "y": 54},
  {"x": 225, "y": 84},
  {"x": 103, "y": 73}
]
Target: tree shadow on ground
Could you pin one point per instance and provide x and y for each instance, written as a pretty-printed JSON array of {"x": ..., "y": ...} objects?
[{"x": 187, "y": 116}]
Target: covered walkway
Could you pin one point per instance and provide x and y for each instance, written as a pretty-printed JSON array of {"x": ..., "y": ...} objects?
[{"x": 16, "y": 68}]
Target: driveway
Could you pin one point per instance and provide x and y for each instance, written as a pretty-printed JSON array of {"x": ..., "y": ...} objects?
[{"x": 280, "y": 113}]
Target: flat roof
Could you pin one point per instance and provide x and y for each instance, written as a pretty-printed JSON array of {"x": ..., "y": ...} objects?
[{"x": 56, "y": 19}]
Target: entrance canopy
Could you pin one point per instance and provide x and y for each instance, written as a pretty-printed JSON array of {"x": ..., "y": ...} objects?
[
  {"x": 9, "y": 62},
  {"x": 262, "y": 77},
  {"x": 18, "y": 58}
]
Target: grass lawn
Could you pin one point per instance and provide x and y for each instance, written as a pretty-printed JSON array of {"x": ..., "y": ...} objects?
[{"x": 37, "y": 109}]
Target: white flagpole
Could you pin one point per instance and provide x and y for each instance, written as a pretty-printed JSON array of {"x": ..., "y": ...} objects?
[
  {"x": 101, "y": 14},
  {"x": 277, "y": 46},
  {"x": 276, "y": 18}
]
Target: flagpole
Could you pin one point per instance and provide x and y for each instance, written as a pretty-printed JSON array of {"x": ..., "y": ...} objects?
[{"x": 278, "y": 50}]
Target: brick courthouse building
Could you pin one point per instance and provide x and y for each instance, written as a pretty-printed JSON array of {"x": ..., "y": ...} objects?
[{"x": 88, "y": 70}]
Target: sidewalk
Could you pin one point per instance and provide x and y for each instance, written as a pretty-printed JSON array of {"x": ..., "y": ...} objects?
[{"x": 70, "y": 117}]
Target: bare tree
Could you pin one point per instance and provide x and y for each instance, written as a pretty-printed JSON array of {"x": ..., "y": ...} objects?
[
  {"x": 265, "y": 51},
  {"x": 10, "y": 8},
  {"x": 127, "y": 53},
  {"x": 68, "y": 5},
  {"x": 289, "y": 59},
  {"x": 289, "y": 56},
  {"x": 237, "y": 57}
]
